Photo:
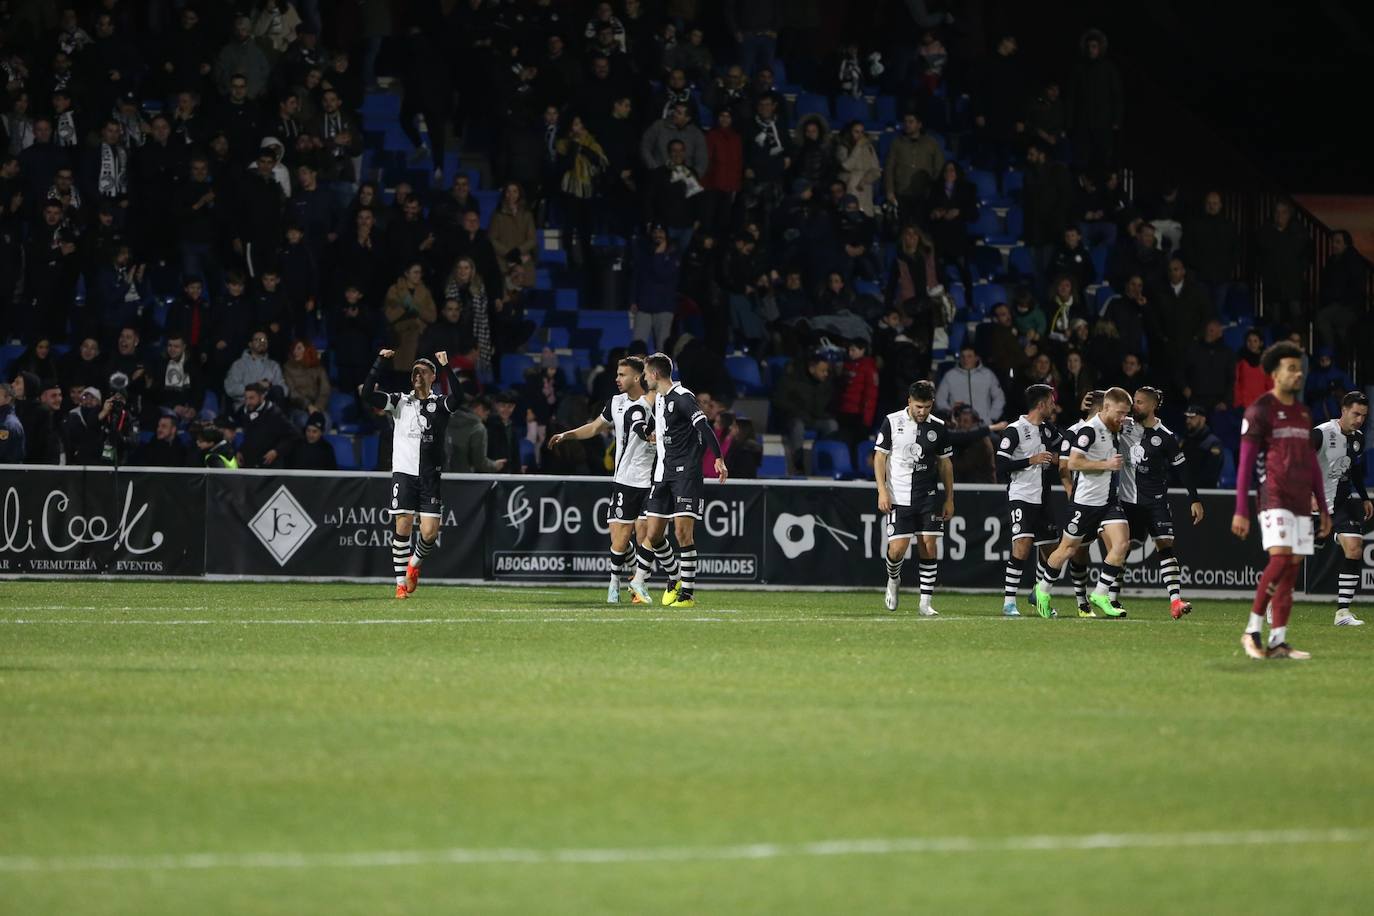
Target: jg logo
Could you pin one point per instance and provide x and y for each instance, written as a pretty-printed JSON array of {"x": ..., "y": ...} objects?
[
  {"x": 518, "y": 511},
  {"x": 282, "y": 525}
]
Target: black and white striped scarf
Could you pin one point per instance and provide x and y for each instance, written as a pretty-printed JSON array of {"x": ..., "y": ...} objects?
[
  {"x": 114, "y": 171},
  {"x": 65, "y": 125},
  {"x": 681, "y": 97}
]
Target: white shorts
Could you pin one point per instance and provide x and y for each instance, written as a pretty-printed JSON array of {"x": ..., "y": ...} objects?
[{"x": 1280, "y": 528}]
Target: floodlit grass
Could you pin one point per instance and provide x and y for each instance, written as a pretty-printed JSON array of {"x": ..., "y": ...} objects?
[{"x": 152, "y": 722}]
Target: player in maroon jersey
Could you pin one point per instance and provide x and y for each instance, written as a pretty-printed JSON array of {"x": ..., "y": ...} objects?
[{"x": 1276, "y": 446}]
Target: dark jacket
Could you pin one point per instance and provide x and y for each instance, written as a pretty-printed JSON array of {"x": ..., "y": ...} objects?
[
  {"x": 503, "y": 441},
  {"x": 1211, "y": 248},
  {"x": 801, "y": 397},
  {"x": 465, "y": 445},
  {"x": 1209, "y": 373},
  {"x": 656, "y": 280},
  {"x": 1345, "y": 280},
  {"x": 1282, "y": 257},
  {"x": 13, "y": 439},
  {"x": 266, "y": 429},
  {"x": 156, "y": 453},
  {"x": 1048, "y": 198},
  {"x": 318, "y": 456},
  {"x": 743, "y": 460},
  {"x": 1202, "y": 452}
]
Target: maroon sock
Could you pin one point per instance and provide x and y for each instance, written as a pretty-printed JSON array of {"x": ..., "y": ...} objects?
[
  {"x": 1283, "y": 597},
  {"x": 1268, "y": 582}
]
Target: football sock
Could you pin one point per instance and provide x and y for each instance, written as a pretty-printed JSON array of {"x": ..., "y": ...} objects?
[
  {"x": 400, "y": 556},
  {"x": 423, "y": 549},
  {"x": 1107, "y": 579},
  {"x": 929, "y": 570},
  {"x": 1348, "y": 584},
  {"x": 1049, "y": 575},
  {"x": 894, "y": 568},
  {"x": 689, "y": 572},
  {"x": 644, "y": 563},
  {"x": 1283, "y": 599},
  {"x": 1078, "y": 575},
  {"x": 1268, "y": 580},
  {"x": 1115, "y": 590},
  {"x": 1168, "y": 568},
  {"x": 620, "y": 563},
  {"x": 1012, "y": 581},
  {"x": 1256, "y": 623},
  {"x": 667, "y": 561}
]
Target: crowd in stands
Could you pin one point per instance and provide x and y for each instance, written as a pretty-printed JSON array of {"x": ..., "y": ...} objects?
[{"x": 212, "y": 215}]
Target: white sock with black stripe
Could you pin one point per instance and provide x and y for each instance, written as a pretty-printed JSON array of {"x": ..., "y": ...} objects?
[
  {"x": 423, "y": 549},
  {"x": 666, "y": 560},
  {"x": 400, "y": 556},
  {"x": 688, "y": 565},
  {"x": 894, "y": 568},
  {"x": 1107, "y": 579},
  {"x": 622, "y": 564},
  {"x": 1012, "y": 582},
  {"x": 644, "y": 563},
  {"x": 1347, "y": 584},
  {"x": 929, "y": 570},
  {"x": 1168, "y": 569},
  {"x": 1078, "y": 575}
]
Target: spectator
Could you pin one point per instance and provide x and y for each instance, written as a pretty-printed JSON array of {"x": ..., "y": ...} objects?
[
  {"x": 233, "y": 320},
  {"x": 971, "y": 383},
  {"x": 654, "y": 300},
  {"x": 38, "y": 358},
  {"x": 409, "y": 311},
  {"x": 242, "y": 59},
  {"x": 858, "y": 404},
  {"x": 1047, "y": 199},
  {"x": 1072, "y": 258},
  {"x": 512, "y": 233},
  {"x": 314, "y": 453},
  {"x": 254, "y": 367},
  {"x": 13, "y": 441},
  {"x": 1047, "y": 122},
  {"x": 1105, "y": 347},
  {"x": 804, "y": 398},
  {"x": 1327, "y": 383},
  {"x": 674, "y": 197},
  {"x": 859, "y": 168},
  {"x": 466, "y": 441},
  {"x": 998, "y": 343},
  {"x": 306, "y": 381},
  {"x": 999, "y": 95},
  {"x": 1210, "y": 244},
  {"x": 213, "y": 451},
  {"x": 767, "y": 155},
  {"x": 164, "y": 450},
  {"x": 1028, "y": 316},
  {"x": 814, "y": 160},
  {"x": 914, "y": 163},
  {"x": 269, "y": 438},
  {"x": 1344, "y": 296},
  {"x": 98, "y": 432},
  {"x": 1098, "y": 104},
  {"x": 754, "y": 25},
  {"x": 1181, "y": 310},
  {"x": 1079, "y": 378},
  {"x": 1209, "y": 372},
  {"x": 174, "y": 384},
  {"x": 1064, "y": 306},
  {"x": 724, "y": 174},
  {"x": 974, "y": 460},
  {"x": 1129, "y": 311},
  {"x": 1093, "y": 210},
  {"x": 543, "y": 391},
  {"x": 581, "y": 163},
  {"x": 745, "y": 452},
  {"x": 952, "y": 208},
  {"x": 1282, "y": 254},
  {"x": 1251, "y": 381},
  {"x": 466, "y": 287},
  {"x": 1137, "y": 253},
  {"x": 1202, "y": 450},
  {"x": 44, "y": 426},
  {"x": 83, "y": 365},
  {"x": 503, "y": 439}
]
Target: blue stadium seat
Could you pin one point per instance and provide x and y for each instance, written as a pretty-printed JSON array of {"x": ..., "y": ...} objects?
[
  {"x": 343, "y": 412},
  {"x": 773, "y": 466},
  {"x": 1104, "y": 295},
  {"x": 1239, "y": 305},
  {"x": 536, "y": 316},
  {"x": 1234, "y": 336},
  {"x": 868, "y": 288},
  {"x": 528, "y": 457},
  {"x": 1013, "y": 224},
  {"x": 811, "y": 103},
  {"x": 1227, "y": 480},
  {"x": 986, "y": 295},
  {"x": 745, "y": 372},
  {"x": 371, "y": 446},
  {"x": 1013, "y": 182},
  {"x": 865, "y": 468},
  {"x": 1020, "y": 264},
  {"x": 566, "y": 299},
  {"x": 777, "y": 368},
  {"x": 885, "y": 110},
  {"x": 986, "y": 262},
  {"x": 848, "y": 108},
  {"x": 8, "y": 354},
  {"x": 1100, "y": 261},
  {"x": 831, "y": 459},
  {"x": 488, "y": 201},
  {"x": 513, "y": 368},
  {"x": 210, "y": 404},
  {"x": 987, "y": 225},
  {"x": 985, "y": 182},
  {"x": 557, "y": 338},
  {"x": 344, "y": 452}
]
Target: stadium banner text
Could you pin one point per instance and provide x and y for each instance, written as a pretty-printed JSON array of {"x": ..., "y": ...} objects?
[{"x": 523, "y": 529}]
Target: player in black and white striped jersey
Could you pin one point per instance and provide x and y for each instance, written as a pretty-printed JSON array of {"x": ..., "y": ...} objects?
[
  {"x": 417, "y": 459},
  {"x": 1340, "y": 447},
  {"x": 627, "y": 416},
  {"x": 911, "y": 457}
]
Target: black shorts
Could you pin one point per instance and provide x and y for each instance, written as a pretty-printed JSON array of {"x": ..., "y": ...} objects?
[
  {"x": 1031, "y": 520},
  {"x": 1153, "y": 519},
  {"x": 627, "y": 504},
  {"x": 412, "y": 494},
  {"x": 680, "y": 498},
  {"x": 1346, "y": 519},
  {"x": 921, "y": 517},
  {"x": 1086, "y": 522}
]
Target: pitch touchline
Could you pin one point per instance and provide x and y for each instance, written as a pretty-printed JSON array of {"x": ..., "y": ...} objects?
[
  {"x": 594, "y": 856},
  {"x": 571, "y": 618}
]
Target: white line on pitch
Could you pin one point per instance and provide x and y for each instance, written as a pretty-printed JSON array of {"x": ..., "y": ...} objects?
[
  {"x": 577, "y": 616},
  {"x": 750, "y": 851}
]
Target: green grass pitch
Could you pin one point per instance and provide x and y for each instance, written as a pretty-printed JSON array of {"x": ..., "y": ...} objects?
[{"x": 286, "y": 749}]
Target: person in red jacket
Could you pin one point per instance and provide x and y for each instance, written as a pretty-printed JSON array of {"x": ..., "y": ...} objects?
[
  {"x": 1251, "y": 380},
  {"x": 724, "y": 175},
  {"x": 858, "y": 406}
]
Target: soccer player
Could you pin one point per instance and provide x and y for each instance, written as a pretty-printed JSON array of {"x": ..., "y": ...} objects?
[
  {"x": 1095, "y": 508},
  {"x": 680, "y": 429},
  {"x": 1340, "y": 452},
  {"x": 1021, "y": 459},
  {"x": 1149, "y": 451},
  {"x": 417, "y": 459},
  {"x": 1079, "y": 562},
  {"x": 912, "y": 455},
  {"x": 627, "y": 416},
  {"x": 1276, "y": 433}
]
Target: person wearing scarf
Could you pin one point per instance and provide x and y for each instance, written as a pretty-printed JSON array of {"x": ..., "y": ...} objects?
[
  {"x": 134, "y": 131},
  {"x": 18, "y": 125},
  {"x": 112, "y": 165},
  {"x": 584, "y": 163},
  {"x": 66, "y": 130},
  {"x": 465, "y": 286}
]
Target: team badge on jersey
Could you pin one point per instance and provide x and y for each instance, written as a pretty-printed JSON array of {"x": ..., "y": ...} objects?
[{"x": 930, "y": 434}]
